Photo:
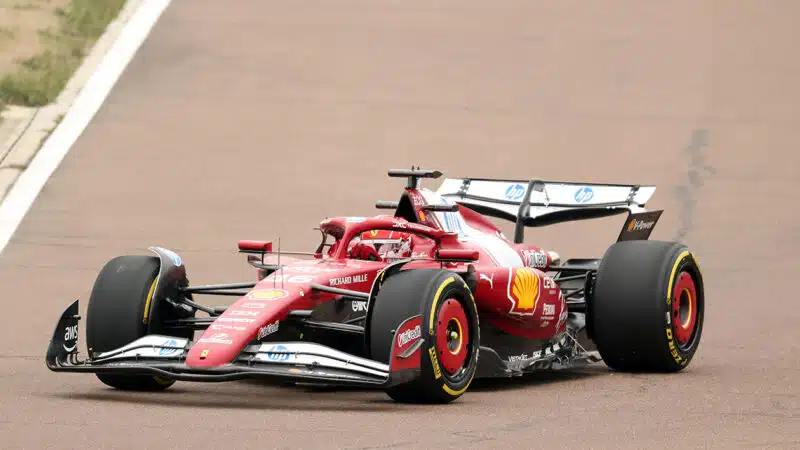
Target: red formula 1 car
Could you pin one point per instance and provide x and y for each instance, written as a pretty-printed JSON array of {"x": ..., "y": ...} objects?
[{"x": 417, "y": 303}]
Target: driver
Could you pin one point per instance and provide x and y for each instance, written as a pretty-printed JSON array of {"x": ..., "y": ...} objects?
[
  {"x": 398, "y": 250},
  {"x": 365, "y": 251},
  {"x": 360, "y": 250}
]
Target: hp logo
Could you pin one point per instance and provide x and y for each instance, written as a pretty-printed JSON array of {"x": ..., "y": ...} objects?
[
  {"x": 169, "y": 351},
  {"x": 278, "y": 356},
  {"x": 515, "y": 192},
  {"x": 584, "y": 194}
]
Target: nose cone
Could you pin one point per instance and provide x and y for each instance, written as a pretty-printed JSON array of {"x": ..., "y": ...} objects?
[{"x": 239, "y": 325}]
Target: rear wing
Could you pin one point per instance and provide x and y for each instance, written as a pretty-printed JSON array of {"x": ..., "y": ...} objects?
[{"x": 535, "y": 203}]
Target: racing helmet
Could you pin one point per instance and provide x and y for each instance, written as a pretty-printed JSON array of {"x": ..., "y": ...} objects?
[{"x": 400, "y": 248}]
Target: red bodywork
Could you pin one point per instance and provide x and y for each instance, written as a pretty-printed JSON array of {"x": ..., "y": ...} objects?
[{"x": 519, "y": 299}]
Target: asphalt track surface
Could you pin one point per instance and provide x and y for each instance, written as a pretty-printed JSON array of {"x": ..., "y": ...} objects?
[{"x": 258, "y": 120}]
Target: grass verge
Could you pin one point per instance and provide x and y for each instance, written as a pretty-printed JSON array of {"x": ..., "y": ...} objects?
[{"x": 40, "y": 79}]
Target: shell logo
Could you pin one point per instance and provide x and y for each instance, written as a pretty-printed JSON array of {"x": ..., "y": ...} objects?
[
  {"x": 267, "y": 294},
  {"x": 523, "y": 291}
]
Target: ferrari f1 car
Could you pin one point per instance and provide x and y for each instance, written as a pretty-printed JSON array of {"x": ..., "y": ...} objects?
[{"x": 417, "y": 303}]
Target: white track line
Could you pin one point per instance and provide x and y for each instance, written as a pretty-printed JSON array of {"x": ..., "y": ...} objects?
[{"x": 27, "y": 187}]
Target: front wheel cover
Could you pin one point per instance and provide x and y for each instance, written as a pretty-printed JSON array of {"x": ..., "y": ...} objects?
[
  {"x": 451, "y": 343},
  {"x": 452, "y": 338},
  {"x": 449, "y": 335}
]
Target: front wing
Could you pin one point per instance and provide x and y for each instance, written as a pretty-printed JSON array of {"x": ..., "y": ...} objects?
[{"x": 164, "y": 356}]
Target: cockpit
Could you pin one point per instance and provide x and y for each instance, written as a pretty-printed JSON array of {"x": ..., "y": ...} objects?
[
  {"x": 381, "y": 245},
  {"x": 381, "y": 238}
]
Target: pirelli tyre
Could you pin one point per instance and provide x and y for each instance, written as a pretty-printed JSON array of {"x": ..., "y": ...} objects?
[
  {"x": 648, "y": 306},
  {"x": 449, "y": 332},
  {"x": 118, "y": 314}
]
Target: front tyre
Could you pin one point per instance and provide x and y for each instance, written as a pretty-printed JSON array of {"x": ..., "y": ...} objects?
[
  {"x": 648, "y": 306},
  {"x": 449, "y": 352},
  {"x": 118, "y": 314}
]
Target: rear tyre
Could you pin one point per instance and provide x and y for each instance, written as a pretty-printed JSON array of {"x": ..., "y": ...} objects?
[
  {"x": 648, "y": 306},
  {"x": 122, "y": 294},
  {"x": 450, "y": 336}
]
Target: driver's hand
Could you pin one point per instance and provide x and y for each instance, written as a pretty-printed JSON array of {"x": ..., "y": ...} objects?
[{"x": 364, "y": 252}]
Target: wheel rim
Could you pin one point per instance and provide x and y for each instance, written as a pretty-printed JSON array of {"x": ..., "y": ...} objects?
[
  {"x": 684, "y": 309},
  {"x": 452, "y": 336}
]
